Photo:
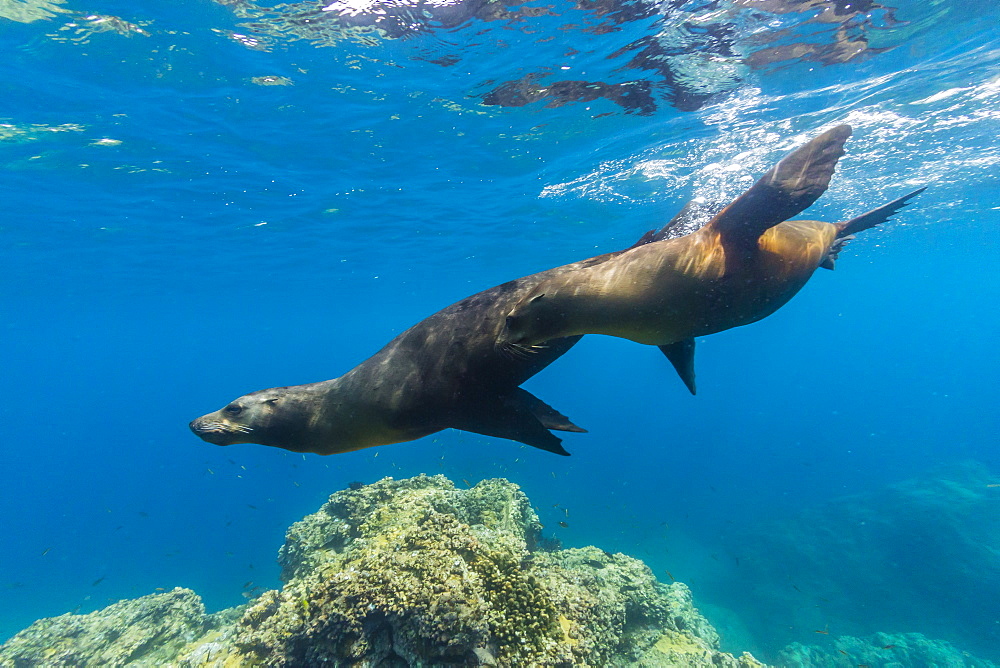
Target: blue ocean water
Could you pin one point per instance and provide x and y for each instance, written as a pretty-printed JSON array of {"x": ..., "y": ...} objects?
[{"x": 208, "y": 198}]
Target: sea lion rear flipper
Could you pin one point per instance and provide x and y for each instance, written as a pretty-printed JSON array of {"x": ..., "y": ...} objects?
[
  {"x": 784, "y": 191},
  {"x": 681, "y": 355},
  {"x": 874, "y": 217},
  {"x": 548, "y": 416},
  {"x": 509, "y": 417}
]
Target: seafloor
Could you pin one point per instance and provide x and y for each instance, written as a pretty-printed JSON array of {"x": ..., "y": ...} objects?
[{"x": 417, "y": 572}]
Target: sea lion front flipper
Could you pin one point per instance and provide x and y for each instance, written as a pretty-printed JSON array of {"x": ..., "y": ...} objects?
[
  {"x": 509, "y": 417},
  {"x": 643, "y": 240},
  {"x": 694, "y": 216},
  {"x": 681, "y": 355},
  {"x": 786, "y": 190},
  {"x": 548, "y": 416},
  {"x": 874, "y": 217}
]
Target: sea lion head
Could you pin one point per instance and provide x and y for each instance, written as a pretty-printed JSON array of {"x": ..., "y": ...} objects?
[
  {"x": 274, "y": 417},
  {"x": 533, "y": 320}
]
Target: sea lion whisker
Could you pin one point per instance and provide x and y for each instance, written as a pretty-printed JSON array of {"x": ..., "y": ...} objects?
[
  {"x": 520, "y": 351},
  {"x": 505, "y": 349},
  {"x": 528, "y": 350}
]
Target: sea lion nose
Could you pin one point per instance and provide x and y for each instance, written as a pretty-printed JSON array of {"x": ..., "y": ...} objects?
[{"x": 197, "y": 426}]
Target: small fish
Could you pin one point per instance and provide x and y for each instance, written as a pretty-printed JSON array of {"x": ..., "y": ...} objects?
[
  {"x": 825, "y": 631},
  {"x": 210, "y": 471},
  {"x": 564, "y": 525},
  {"x": 994, "y": 484},
  {"x": 467, "y": 483},
  {"x": 247, "y": 584},
  {"x": 796, "y": 589},
  {"x": 566, "y": 511},
  {"x": 553, "y": 474},
  {"x": 98, "y": 581},
  {"x": 888, "y": 646},
  {"x": 670, "y": 575},
  {"x": 251, "y": 506},
  {"x": 143, "y": 513},
  {"x": 863, "y": 665},
  {"x": 843, "y": 652},
  {"x": 296, "y": 484},
  {"x": 161, "y": 589},
  {"x": 47, "y": 550}
]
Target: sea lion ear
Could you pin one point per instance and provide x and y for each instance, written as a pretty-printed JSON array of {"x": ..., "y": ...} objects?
[
  {"x": 272, "y": 400},
  {"x": 536, "y": 298}
]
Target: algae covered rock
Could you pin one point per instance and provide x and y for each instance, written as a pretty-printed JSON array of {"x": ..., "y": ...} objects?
[
  {"x": 417, "y": 572},
  {"x": 145, "y": 631}
]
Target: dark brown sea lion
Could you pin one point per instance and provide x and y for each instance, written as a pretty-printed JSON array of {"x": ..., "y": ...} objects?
[
  {"x": 742, "y": 266},
  {"x": 445, "y": 371}
]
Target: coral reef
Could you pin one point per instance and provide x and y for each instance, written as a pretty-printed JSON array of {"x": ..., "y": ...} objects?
[{"x": 407, "y": 573}]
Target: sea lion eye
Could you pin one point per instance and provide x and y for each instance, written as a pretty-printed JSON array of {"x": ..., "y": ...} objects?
[{"x": 233, "y": 409}]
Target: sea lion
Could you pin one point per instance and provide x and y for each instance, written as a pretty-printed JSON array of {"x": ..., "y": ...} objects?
[
  {"x": 445, "y": 371},
  {"x": 743, "y": 265}
]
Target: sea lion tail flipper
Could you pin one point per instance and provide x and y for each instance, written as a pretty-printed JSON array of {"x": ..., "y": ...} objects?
[
  {"x": 786, "y": 190},
  {"x": 512, "y": 418},
  {"x": 548, "y": 416},
  {"x": 876, "y": 216},
  {"x": 681, "y": 355}
]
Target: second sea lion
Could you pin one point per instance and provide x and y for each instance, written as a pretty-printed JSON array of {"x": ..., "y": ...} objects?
[{"x": 742, "y": 266}]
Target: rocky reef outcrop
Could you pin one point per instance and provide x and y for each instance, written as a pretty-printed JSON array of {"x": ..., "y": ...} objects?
[
  {"x": 885, "y": 650},
  {"x": 146, "y": 631},
  {"x": 408, "y": 572},
  {"x": 921, "y": 555}
]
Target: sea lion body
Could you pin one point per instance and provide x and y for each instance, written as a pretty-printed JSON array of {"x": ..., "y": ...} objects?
[
  {"x": 444, "y": 372},
  {"x": 742, "y": 266}
]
